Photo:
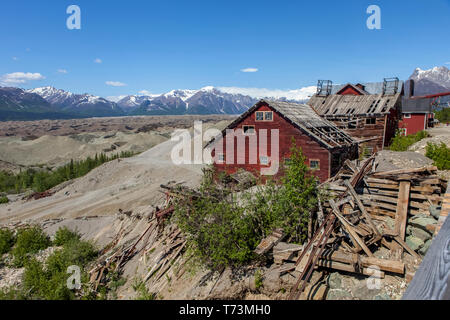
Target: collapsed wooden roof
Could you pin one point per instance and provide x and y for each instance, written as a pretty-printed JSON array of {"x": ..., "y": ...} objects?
[
  {"x": 335, "y": 105},
  {"x": 304, "y": 118}
]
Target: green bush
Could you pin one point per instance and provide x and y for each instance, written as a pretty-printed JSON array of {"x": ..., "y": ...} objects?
[
  {"x": 50, "y": 282},
  {"x": 440, "y": 154},
  {"x": 43, "y": 180},
  {"x": 223, "y": 230},
  {"x": 7, "y": 240},
  {"x": 29, "y": 241},
  {"x": 402, "y": 143},
  {"x": 443, "y": 115},
  {"x": 64, "y": 235},
  {"x": 4, "y": 199}
]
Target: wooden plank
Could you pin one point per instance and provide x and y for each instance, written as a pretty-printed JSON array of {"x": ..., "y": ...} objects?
[
  {"x": 361, "y": 207},
  {"x": 356, "y": 239},
  {"x": 402, "y": 209},
  {"x": 383, "y": 264},
  {"x": 348, "y": 268},
  {"x": 432, "y": 279},
  {"x": 405, "y": 171}
]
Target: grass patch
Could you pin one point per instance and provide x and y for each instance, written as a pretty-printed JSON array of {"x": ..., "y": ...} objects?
[
  {"x": 42, "y": 180},
  {"x": 402, "y": 143},
  {"x": 440, "y": 154},
  {"x": 142, "y": 292},
  {"x": 4, "y": 199}
]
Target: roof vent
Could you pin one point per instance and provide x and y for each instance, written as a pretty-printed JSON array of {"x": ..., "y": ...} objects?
[{"x": 324, "y": 87}]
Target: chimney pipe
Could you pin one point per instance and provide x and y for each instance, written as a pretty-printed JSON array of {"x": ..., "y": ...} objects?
[{"x": 410, "y": 88}]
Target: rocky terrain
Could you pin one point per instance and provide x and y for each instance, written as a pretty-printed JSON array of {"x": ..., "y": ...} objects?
[
  {"x": 115, "y": 203},
  {"x": 55, "y": 142}
]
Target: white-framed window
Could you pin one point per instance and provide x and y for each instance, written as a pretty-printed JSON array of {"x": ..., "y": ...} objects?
[
  {"x": 314, "y": 164},
  {"x": 407, "y": 115},
  {"x": 259, "y": 116},
  {"x": 248, "y": 130},
  {"x": 264, "y": 116},
  {"x": 268, "y": 116},
  {"x": 264, "y": 160}
]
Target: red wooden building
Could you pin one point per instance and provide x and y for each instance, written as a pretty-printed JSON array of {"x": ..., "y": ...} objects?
[
  {"x": 417, "y": 115},
  {"x": 368, "y": 112},
  {"x": 261, "y": 139}
]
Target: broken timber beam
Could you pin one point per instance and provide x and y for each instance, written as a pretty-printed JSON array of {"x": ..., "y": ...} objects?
[{"x": 347, "y": 226}]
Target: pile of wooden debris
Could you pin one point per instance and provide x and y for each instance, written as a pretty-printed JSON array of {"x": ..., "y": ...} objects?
[{"x": 367, "y": 210}]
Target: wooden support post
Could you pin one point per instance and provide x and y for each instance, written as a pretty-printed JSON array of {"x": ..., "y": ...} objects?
[{"x": 401, "y": 214}]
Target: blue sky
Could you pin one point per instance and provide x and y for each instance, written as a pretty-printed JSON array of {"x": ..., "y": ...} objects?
[{"x": 158, "y": 46}]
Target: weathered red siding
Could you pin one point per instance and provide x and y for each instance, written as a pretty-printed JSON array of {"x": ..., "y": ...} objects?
[
  {"x": 416, "y": 123},
  {"x": 311, "y": 148},
  {"x": 349, "y": 90}
]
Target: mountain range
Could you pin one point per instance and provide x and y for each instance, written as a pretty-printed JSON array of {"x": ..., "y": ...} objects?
[
  {"x": 435, "y": 80},
  {"x": 52, "y": 103}
]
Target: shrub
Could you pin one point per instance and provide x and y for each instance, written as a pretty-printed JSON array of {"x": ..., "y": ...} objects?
[
  {"x": 50, "y": 282},
  {"x": 223, "y": 230},
  {"x": 7, "y": 240},
  {"x": 64, "y": 235},
  {"x": 440, "y": 154},
  {"x": 443, "y": 115},
  {"x": 4, "y": 199},
  {"x": 402, "y": 143},
  {"x": 42, "y": 180},
  {"x": 29, "y": 241}
]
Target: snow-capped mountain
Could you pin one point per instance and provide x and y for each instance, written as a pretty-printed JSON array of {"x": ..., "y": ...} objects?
[
  {"x": 430, "y": 81},
  {"x": 18, "y": 104},
  {"x": 82, "y": 104},
  {"x": 207, "y": 100}
]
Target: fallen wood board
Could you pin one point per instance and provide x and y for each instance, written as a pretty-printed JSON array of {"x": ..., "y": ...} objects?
[
  {"x": 383, "y": 264},
  {"x": 349, "y": 268},
  {"x": 405, "y": 171},
  {"x": 401, "y": 214},
  {"x": 355, "y": 238},
  {"x": 269, "y": 242},
  {"x": 361, "y": 207}
]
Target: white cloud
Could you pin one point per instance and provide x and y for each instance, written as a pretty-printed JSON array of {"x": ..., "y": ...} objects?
[
  {"x": 249, "y": 70},
  {"x": 258, "y": 93},
  {"x": 115, "y": 84},
  {"x": 98, "y": 60},
  {"x": 15, "y": 58},
  {"x": 447, "y": 62},
  {"x": 64, "y": 71},
  {"x": 16, "y": 78}
]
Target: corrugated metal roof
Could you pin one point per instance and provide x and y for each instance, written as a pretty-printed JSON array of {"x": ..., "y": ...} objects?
[{"x": 416, "y": 105}]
